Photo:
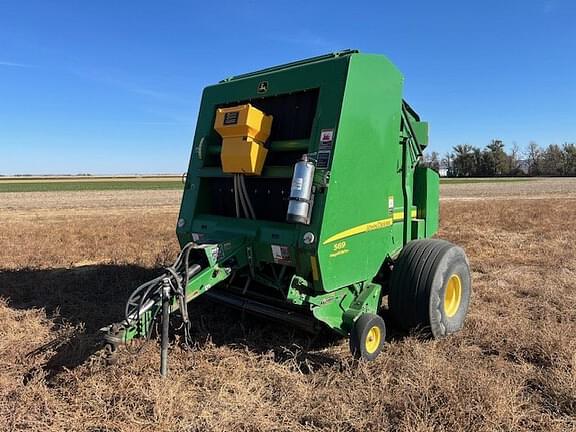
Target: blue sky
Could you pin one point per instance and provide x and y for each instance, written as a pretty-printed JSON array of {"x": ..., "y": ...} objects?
[{"x": 113, "y": 86}]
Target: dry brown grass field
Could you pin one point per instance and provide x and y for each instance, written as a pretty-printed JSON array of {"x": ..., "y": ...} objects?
[{"x": 68, "y": 261}]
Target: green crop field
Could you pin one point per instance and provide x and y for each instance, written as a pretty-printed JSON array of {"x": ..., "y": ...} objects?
[
  {"x": 151, "y": 183},
  {"x": 86, "y": 185}
]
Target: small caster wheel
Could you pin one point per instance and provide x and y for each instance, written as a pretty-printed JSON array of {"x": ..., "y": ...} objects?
[{"x": 367, "y": 336}]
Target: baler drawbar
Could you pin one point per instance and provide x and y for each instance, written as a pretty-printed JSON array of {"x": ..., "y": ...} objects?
[{"x": 304, "y": 202}]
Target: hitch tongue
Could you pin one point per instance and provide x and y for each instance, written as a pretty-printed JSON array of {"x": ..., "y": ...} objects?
[{"x": 172, "y": 291}]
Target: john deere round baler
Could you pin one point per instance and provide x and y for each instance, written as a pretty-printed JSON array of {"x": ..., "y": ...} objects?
[{"x": 304, "y": 202}]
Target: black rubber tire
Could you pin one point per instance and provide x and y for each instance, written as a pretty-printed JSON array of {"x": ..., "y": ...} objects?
[
  {"x": 359, "y": 334},
  {"x": 418, "y": 286}
]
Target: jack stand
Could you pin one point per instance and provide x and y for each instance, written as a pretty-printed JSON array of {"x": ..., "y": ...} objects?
[{"x": 165, "y": 328}]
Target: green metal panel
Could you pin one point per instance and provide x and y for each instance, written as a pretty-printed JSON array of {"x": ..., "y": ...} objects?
[
  {"x": 421, "y": 131},
  {"x": 365, "y": 186},
  {"x": 426, "y": 198}
]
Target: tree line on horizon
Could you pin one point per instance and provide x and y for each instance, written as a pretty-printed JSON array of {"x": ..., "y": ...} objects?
[{"x": 493, "y": 160}]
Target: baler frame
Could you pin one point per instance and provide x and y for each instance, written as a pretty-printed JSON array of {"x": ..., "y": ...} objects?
[{"x": 335, "y": 265}]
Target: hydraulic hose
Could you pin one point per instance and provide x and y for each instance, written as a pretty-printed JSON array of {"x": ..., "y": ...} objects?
[
  {"x": 246, "y": 196},
  {"x": 242, "y": 198},
  {"x": 236, "y": 203},
  {"x": 176, "y": 277}
]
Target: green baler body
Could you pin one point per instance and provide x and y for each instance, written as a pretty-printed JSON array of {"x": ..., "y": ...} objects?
[{"x": 370, "y": 198}]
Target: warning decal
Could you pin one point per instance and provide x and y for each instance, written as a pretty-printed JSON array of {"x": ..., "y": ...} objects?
[
  {"x": 326, "y": 135},
  {"x": 281, "y": 254},
  {"x": 323, "y": 159}
]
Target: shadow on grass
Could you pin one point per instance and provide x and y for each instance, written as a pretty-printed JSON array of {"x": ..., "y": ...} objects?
[
  {"x": 81, "y": 299},
  {"x": 91, "y": 297}
]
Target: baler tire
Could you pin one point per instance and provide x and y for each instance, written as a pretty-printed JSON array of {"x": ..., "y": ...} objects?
[
  {"x": 367, "y": 337},
  {"x": 426, "y": 272}
]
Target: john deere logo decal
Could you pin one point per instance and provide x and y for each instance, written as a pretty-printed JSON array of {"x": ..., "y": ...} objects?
[{"x": 263, "y": 87}]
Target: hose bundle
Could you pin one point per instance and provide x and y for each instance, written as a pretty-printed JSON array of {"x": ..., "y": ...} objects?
[
  {"x": 241, "y": 198},
  {"x": 148, "y": 295}
]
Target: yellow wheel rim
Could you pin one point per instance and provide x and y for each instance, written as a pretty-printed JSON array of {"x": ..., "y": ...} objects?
[
  {"x": 452, "y": 295},
  {"x": 373, "y": 339}
]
